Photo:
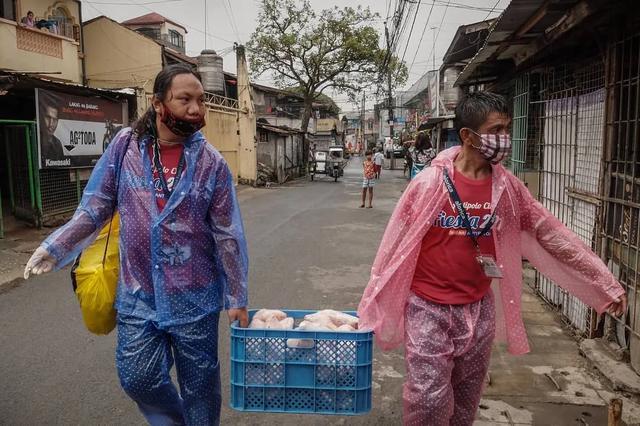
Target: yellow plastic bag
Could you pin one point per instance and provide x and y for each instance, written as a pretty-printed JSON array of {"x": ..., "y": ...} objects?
[{"x": 95, "y": 279}]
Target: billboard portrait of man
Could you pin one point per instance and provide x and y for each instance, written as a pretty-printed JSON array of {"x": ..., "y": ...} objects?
[
  {"x": 50, "y": 145},
  {"x": 74, "y": 130}
]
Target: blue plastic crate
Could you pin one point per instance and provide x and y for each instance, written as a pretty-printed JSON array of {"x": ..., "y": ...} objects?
[{"x": 331, "y": 376}]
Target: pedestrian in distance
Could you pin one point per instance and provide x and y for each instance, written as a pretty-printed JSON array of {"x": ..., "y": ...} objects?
[
  {"x": 423, "y": 153},
  {"x": 408, "y": 159},
  {"x": 378, "y": 161},
  {"x": 368, "y": 179},
  {"x": 453, "y": 251},
  {"x": 183, "y": 254}
]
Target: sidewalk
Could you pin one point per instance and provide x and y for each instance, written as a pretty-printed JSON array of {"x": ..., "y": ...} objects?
[
  {"x": 552, "y": 385},
  {"x": 15, "y": 249}
]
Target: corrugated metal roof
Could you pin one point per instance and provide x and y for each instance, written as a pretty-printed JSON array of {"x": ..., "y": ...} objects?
[
  {"x": 281, "y": 130},
  {"x": 23, "y": 80},
  {"x": 467, "y": 38},
  {"x": 519, "y": 24}
]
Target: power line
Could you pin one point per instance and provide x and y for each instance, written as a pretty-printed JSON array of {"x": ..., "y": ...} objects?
[
  {"x": 411, "y": 31},
  {"x": 232, "y": 21},
  {"x": 492, "y": 9},
  {"x": 399, "y": 26},
  {"x": 433, "y": 49},
  {"x": 441, "y": 3},
  {"x": 198, "y": 30},
  {"x": 424, "y": 30}
]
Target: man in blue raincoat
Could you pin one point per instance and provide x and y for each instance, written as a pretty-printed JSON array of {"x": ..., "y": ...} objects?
[{"x": 183, "y": 254}]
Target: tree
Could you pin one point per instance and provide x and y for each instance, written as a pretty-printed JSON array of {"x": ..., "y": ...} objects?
[{"x": 337, "y": 48}]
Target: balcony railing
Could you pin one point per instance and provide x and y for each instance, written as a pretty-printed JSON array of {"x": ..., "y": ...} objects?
[
  {"x": 39, "y": 42},
  {"x": 216, "y": 101}
]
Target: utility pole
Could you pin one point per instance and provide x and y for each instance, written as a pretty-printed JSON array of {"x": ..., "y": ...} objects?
[
  {"x": 437, "y": 111},
  {"x": 390, "y": 98},
  {"x": 362, "y": 127},
  {"x": 205, "y": 25}
]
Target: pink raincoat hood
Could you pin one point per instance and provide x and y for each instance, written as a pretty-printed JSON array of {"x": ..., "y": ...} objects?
[{"x": 524, "y": 229}]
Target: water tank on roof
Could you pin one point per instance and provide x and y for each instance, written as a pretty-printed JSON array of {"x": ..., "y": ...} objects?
[{"x": 210, "y": 69}]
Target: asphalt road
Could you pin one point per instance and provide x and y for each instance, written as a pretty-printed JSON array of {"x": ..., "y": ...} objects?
[{"x": 310, "y": 247}]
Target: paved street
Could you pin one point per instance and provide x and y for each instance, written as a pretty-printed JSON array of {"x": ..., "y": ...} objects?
[{"x": 310, "y": 247}]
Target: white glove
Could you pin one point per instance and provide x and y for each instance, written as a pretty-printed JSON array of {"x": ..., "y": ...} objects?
[{"x": 41, "y": 261}]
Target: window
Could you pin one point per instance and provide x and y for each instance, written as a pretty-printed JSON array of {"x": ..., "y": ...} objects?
[
  {"x": 264, "y": 136},
  {"x": 153, "y": 33},
  {"x": 64, "y": 23},
  {"x": 7, "y": 10},
  {"x": 175, "y": 38}
]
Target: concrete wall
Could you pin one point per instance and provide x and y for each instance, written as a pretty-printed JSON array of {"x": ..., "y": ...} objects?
[
  {"x": 117, "y": 57},
  {"x": 69, "y": 65},
  {"x": 282, "y": 153},
  {"x": 266, "y": 151},
  {"x": 221, "y": 131},
  {"x": 248, "y": 166}
]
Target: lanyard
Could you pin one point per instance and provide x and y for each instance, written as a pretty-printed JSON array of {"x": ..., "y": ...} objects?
[
  {"x": 457, "y": 202},
  {"x": 157, "y": 164}
]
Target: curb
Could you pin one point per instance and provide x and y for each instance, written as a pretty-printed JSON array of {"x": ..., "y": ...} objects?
[
  {"x": 9, "y": 285},
  {"x": 620, "y": 374}
]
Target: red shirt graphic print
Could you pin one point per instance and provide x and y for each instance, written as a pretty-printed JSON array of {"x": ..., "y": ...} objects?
[
  {"x": 170, "y": 158},
  {"x": 448, "y": 271}
]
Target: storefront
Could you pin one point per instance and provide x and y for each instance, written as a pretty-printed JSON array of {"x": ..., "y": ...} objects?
[{"x": 51, "y": 136}]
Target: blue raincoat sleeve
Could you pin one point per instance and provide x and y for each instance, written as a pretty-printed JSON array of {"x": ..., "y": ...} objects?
[
  {"x": 228, "y": 232},
  {"x": 95, "y": 209}
]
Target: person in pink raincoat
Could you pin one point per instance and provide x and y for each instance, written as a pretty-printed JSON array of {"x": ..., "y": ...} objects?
[{"x": 448, "y": 274}]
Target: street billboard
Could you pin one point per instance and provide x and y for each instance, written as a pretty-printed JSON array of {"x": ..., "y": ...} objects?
[
  {"x": 74, "y": 131},
  {"x": 326, "y": 124}
]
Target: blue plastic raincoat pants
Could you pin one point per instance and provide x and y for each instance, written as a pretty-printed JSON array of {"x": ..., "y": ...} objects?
[{"x": 179, "y": 268}]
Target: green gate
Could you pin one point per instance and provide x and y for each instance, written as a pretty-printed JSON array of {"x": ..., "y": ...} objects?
[
  {"x": 20, "y": 151},
  {"x": 520, "y": 125}
]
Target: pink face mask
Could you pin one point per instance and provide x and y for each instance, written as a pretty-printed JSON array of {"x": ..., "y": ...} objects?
[{"x": 494, "y": 148}]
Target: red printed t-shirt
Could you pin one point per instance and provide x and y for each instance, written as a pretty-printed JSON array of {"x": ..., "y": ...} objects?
[
  {"x": 447, "y": 271},
  {"x": 169, "y": 157},
  {"x": 369, "y": 169}
]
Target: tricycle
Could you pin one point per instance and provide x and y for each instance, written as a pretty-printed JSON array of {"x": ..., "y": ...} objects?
[{"x": 330, "y": 163}]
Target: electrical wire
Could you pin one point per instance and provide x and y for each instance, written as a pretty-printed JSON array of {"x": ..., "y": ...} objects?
[
  {"x": 198, "y": 30},
  {"x": 230, "y": 15},
  {"x": 440, "y": 3},
  {"x": 424, "y": 30},
  {"x": 491, "y": 11},
  {"x": 438, "y": 33},
  {"x": 410, "y": 31}
]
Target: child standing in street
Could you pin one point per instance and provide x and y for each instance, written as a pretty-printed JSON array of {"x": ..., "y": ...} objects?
[{"x": 369, "y": 179}]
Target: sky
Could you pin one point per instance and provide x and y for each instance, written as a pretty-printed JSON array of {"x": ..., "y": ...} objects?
[{"x": 230, "y": 21}]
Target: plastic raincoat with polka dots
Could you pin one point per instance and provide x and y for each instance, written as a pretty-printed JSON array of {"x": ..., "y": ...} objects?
[
  {"x": 178, "y": 264},
  {"x": 524, "y": 229}
]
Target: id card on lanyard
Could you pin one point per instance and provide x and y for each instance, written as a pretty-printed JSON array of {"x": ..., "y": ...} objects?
[{"x": 487, "y": 261}]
